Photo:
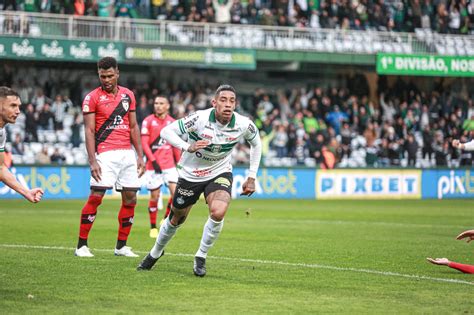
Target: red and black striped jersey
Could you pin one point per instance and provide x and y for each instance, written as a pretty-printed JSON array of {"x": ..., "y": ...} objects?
[{"x": 112, "y": 124}]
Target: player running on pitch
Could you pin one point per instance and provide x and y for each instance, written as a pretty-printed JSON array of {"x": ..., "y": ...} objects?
[{"x": 205, "y": 167}]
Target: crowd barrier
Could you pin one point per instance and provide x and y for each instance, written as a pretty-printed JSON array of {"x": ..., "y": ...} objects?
[{"x": 286, "y": 183}]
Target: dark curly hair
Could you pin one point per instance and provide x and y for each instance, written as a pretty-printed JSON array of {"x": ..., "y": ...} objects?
[{"x": 107, "y": 63}]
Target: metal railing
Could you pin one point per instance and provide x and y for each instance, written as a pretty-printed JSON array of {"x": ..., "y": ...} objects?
[{"x": 22, "y": 24}]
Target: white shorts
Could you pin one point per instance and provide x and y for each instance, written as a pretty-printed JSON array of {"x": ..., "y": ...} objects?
[
  {"x": 119, "y": 168},
  {"x": 154, "y": 181}
]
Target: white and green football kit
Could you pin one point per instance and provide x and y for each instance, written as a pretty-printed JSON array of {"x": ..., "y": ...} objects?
[
  {"x": 215, "y": 159},
  {"x": 3, "y": 139}
]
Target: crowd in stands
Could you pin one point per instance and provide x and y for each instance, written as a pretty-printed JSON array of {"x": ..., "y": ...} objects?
[
  {"x": 309, "y": 126},
  {"x": 452, "y": 16}
]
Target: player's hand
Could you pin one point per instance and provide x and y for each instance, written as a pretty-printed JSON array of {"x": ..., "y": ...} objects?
[
  {"x": 469, "y": 234},
  {"x": 96, "y": 171},
  {"x": 156, "y": 167},
  {"x": 456, "y": 144},
  {"x": 200, "y": 144},
  {"x": 34, "y": 195},
  {"x": 140, "y": 167},
  {"x": 439, "y": 261},
  {"x": 248, "y": 187}
]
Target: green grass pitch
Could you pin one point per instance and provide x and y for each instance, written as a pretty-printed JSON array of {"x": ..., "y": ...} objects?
[{"x": 273, "y": 256}]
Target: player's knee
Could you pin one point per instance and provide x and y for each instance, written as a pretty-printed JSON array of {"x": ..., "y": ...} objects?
[
  {"x": 218, "y": 213},
  {"x": 95, "y": 199},
  {"x": 177, "y": 217}
]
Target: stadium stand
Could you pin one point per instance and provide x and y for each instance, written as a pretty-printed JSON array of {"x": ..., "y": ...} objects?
[
  {"x": 454, "y": 17},
  {"x": 307, "y": 126}
]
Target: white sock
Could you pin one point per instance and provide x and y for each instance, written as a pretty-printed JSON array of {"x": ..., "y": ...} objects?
[
  {"x": 211, "y": 231},
  {"x": 167, "y": 231},
  {"x": 160, "y": 201}
]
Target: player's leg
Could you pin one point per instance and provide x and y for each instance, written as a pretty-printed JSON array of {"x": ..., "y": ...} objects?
[
  {"x": 128, "y": 184},
  {"x": 218, "y": 196},
  {"x": 89, "y": 211},
  {"x": 153, "y": 183},
  {"x": 153, "y": 211},
  {"x": 171, "y": 178},
  {"x": 88, "y": 215},
  {"x": 185, "y": 197}
]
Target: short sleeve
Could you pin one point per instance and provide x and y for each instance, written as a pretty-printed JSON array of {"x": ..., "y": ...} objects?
[
  {"x": 88, "y": 105},
  {"x": 251, "y": 132},
  {"x": 145, "y": 125},
  {"x": 188, "y": 124},
  {"x": 133, "y": 102}
]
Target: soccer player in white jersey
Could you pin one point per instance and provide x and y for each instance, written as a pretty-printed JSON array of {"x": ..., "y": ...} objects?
[
  {"x": 9, "y": 110},
  {"x": 205, "y": 167}
]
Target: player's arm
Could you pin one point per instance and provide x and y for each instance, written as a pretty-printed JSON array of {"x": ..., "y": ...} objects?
[
  {"x": 32, "y": 195},
  {"x": 253, "y": 138},
  {"x": 89, "y": 130},
  {"x": 468, "y": 146},
  {"x": 173, "y": 132},
  {"x": 176, "y": 154},
  {"x": 135, "y": 138},
  {"x": 145, "y": 138},
  {"x": 469, "y": 234}
]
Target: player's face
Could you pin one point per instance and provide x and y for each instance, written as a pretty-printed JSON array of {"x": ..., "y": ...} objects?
[
  {"x": 10, "y": 108},
  {"x": 108, "y": 79},
  {"x": 161, "y": 106},
  {"x": 224, "y": 103}
]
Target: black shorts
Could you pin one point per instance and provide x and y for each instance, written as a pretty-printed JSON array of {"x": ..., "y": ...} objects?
[{"x": 187, "y": 193}]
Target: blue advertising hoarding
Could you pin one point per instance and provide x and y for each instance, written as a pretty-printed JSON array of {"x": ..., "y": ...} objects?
[
  {"x": 272, "y": 183},
  {"x": 73, "y": 182},
  {"x": 447, "y": 184}
]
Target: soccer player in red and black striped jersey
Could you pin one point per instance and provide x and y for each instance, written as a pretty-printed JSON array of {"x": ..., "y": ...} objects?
[
  {"x": 469, "y": 234},
  {"x": 161, "y": 158},
  {"x": 111, "y": 130}
]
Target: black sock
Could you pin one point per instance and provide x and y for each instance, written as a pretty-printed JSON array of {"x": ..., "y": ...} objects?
[
  {"x": 120, "y": 244},
  {"x": 153, "y": 226},
  {"x": 81, "y": 242}
]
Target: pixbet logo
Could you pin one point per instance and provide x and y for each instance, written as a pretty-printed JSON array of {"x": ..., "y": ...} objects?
[{"x": 449, "y": 185}]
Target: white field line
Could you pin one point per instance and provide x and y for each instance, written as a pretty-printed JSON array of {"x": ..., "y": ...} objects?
[{"x": 266, "y": 262}]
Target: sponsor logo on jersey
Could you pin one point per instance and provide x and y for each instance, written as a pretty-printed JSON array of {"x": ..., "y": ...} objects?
[
  {"x": 117, "y": 124},
  {"x": 222, "y": 181},
  {"x": 216, "y": 148},
  {"x": 207, "y": 158},
  {"x": 185, "y": 192},
  {"x": 206, "y": 136},
  {"x": 230, "y": 139},
  {"x": 190, "y": 123},
  {"x": 103, "y": 98},
  {"x": 201, "y": 173},
  {"x": 179, "y": 200}
]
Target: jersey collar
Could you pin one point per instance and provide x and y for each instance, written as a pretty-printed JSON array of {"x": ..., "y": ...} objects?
[{"x": 212, "y": 118}]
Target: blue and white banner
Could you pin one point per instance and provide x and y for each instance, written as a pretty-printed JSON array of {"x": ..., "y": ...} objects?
[
  {"x": 444, "y": 184},
  {"x": 368, "y": 184},
  {"x": 273, "y": 183}
]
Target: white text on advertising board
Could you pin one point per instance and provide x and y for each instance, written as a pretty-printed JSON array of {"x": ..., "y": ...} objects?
[
  {"x": 370, "y": 184},
  {"x": 455, "y": 185}
]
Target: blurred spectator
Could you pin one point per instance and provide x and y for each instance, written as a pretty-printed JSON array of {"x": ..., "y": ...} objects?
[
  {"x": 222, "y": 11},
  {"x": 46, "y": 118},
  {"x": 31, "y": 124},
  {"x": 18, "y": 148},
  {"x": 57, "y": 157},
  {"x": 411, "y": 148},
  {"x": 280, "y": 141},
  {"x": 43, "y": 156},
  {"x": 76, "y": 129},
  {"x": 59, "y": 109}
]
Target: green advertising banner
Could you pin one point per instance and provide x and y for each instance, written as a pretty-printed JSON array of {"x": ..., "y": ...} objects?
[
  {"x": 425, "y": 65},
  {"x": 60, "y": 50},
  {"x": 196, "y": 56},
  {"x": 91, "y": 51}
]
